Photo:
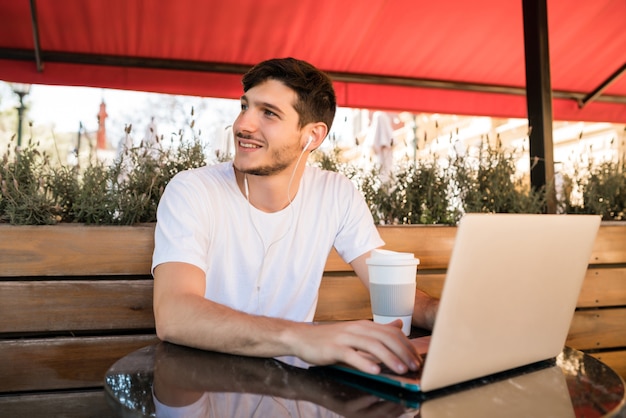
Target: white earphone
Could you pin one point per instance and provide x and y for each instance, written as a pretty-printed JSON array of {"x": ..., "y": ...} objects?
[{"x": 308, "y": 143}]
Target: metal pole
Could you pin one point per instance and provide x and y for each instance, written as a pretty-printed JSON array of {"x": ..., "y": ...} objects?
[
  {"x": 539, "y": 99},
  {"x": 20, "y": 115}
]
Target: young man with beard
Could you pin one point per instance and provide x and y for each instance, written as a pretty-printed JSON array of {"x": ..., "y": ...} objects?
[{"x": 240, "y": 247}]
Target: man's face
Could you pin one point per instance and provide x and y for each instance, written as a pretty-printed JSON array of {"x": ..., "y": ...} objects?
[{"x": 268, "y": 139}]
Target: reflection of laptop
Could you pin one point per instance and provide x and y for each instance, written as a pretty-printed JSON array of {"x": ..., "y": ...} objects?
[
  {"x": 542, "y": 393},
  {"x": 508, "y": 298}
]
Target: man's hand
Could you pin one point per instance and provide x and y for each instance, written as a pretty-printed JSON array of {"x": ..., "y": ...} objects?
[
  {"x": 361, "y": 344},
  {"x": 425, "y": 311}
]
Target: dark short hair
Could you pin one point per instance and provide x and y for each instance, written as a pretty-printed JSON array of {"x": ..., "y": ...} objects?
[{"x": 316, "y": 101}]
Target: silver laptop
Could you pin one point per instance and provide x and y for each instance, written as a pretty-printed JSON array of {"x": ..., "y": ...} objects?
[{"x": 508, "y": 298}]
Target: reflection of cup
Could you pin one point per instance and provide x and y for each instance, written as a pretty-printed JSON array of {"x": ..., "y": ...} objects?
[{"x": 392, "y": 286}]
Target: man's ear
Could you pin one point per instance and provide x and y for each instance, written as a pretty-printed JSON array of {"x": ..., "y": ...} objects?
[{"x": 317, "y": 133}]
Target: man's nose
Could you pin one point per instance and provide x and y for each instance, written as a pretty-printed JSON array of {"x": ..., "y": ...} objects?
[{"x": 245, "y": 122}]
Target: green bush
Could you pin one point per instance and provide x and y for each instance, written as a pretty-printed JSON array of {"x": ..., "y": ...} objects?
[
  {"x": 488, "y": 183},
  {"x": 24, "y": 198},
  {"x": 126, "y": 192},
  {"x": 438, "y": 191},
  {"x": 600, "y": 188}
]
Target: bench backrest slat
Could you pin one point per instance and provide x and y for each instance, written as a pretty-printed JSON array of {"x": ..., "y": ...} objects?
[{"x": 79, "y": 305}]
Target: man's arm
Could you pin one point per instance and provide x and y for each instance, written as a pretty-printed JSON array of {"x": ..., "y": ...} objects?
[
  {"x": 183, "y": 316},
  {"x": 426, "y": 306}
]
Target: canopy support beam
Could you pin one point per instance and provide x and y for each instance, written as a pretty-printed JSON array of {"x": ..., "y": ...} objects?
[
  {"x": 216, "y": 67},
  {"x": 36, "y": 43},
  {"x": 598, "y": 91},
  {"x": 539, "y": 99}
]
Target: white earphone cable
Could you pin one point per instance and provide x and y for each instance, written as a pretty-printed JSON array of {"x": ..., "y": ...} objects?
[{"x": 291, "y": 222}]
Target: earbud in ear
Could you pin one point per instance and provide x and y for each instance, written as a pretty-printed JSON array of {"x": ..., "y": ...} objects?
[{"x": 308, "y": 143}]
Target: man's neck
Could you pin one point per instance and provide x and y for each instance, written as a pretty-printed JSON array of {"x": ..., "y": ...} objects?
[{"x": 269, "y": 193}]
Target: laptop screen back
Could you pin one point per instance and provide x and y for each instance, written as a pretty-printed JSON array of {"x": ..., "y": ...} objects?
[{"x": 509, "y": 295}]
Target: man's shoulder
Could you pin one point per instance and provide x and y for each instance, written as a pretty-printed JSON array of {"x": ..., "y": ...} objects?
[
  {"x": 207, "y": 172},
  {"x": 328, "y": 178}
]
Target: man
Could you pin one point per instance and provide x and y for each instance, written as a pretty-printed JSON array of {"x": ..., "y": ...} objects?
[{"x": 240, "y": 247}]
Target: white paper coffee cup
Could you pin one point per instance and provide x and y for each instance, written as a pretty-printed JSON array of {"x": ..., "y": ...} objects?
[{"x": 392, "y": 278}]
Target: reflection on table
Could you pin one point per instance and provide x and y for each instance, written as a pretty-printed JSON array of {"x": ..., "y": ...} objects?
[{"x": 167, "y": 380}]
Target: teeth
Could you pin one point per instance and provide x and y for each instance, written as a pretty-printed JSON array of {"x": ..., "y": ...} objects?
[{"x": 248, "y": 145}]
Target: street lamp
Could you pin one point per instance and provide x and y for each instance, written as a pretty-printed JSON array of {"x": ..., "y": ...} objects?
[{"x": 21, "y": 89}]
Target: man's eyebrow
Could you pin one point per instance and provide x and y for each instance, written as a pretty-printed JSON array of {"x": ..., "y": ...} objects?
[
  {"x": 266, "y": 105},
  {"x": 272, "y": 107}
]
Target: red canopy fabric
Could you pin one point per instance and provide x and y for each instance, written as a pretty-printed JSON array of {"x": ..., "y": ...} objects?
[{"x": 383, "y": 54}]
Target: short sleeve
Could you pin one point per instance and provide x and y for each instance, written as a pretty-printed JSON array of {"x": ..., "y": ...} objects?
[
  {"x": 183, "y": 224},
  {"x": 357, "y": 234}
]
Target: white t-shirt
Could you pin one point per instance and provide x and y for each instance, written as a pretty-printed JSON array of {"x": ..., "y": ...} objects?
[{"x": 261, "y": 263}]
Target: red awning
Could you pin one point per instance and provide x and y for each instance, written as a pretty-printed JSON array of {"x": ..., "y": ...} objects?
[{"x": 455, "y": 56}]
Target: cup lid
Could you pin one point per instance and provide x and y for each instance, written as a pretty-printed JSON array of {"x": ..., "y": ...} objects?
[{"x": 380, "y": 256}]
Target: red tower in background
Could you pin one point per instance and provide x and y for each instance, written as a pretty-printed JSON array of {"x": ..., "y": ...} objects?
[{"x": 102, "y": 135}]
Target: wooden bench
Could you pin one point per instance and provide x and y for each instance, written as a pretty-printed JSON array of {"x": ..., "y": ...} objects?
[{"x": 74, "y": 299}]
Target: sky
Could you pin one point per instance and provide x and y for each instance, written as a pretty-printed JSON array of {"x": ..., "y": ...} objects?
[{"x": 64, "y": 107}]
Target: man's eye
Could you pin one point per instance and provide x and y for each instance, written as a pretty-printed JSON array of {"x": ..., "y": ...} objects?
[
  {"x": 244, "y": 106},
  {"x": 269, "y": 113}
]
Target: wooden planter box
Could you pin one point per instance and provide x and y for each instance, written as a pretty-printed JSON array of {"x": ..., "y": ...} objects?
[{"x": 73, "y": 299}]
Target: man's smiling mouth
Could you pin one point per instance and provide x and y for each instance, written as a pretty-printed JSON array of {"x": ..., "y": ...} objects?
[{"x": 248, "y": 145}]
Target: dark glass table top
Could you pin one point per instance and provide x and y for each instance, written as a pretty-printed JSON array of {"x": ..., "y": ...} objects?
[{"x": 166, "y": 380}]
